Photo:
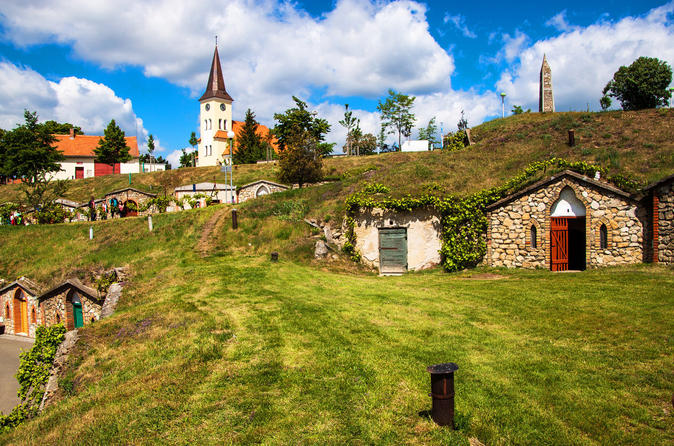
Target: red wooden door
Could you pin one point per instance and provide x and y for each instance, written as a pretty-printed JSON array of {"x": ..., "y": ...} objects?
[
  {"x": 79, "y": 172},
  {"x": 559, "y": 243}
]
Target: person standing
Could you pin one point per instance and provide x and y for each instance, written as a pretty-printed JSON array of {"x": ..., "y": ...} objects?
[{"x": 92, "y": 209}]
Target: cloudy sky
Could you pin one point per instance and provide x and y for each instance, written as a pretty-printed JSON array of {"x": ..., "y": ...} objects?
[{"x": 145, "y": 63}]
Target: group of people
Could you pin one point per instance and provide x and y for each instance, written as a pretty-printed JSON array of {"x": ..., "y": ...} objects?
[
  {"x": 16, "y": 219},
  {"x": 114, "y": 206}
]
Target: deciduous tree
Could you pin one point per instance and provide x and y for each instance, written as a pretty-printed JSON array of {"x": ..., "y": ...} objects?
[
  {"x": 112, "y": 148},
  {"x": 429, "y": 133},
  {"x": 300, "y": 161},
  {"x": 396, "y": 114},
  {"x": 644, "y": 84},
  {"x": 295, "y": 121}
]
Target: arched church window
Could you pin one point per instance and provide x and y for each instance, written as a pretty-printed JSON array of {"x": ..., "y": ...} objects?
[
  {"x": 603, "y": 237},
  {"x": 533, "y": 235},
  {"x": 205, "y": 124},
  {"x": 219, "y": 124}
]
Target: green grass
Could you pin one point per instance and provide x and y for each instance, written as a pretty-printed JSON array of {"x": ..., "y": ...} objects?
[{"x": 214, "y": 344}]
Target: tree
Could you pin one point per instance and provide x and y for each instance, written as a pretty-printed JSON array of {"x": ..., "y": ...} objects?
[
  {"x": 193, "y": 142},
  {"x": 463, "y": 123},
  {"x": 57, "y": 128},
  {"x": 150, "y": 146},
  {"x": 381, "y": 141},
  {"x": 644, "y": 84},
  {"x": 396, "y": 114},
  {"x": 605, "y": 102},
  {"x": 27, "y": 153},
  {"x": 186, "y": 159},
  {"x": 250, "y": 147},
  {"x": 429, "y": 132},
  {"x": 112, "y": 148},
  {"x": 517, "y": 110},
  {"x": 300, "y": 162},
  {"x": 366, "y": 144},
  {"x": 349, "y": 122},
  {"x": 297, "y": 119}
]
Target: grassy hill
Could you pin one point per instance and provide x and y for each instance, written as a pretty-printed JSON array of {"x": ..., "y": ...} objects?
[{"x": 212, "y": 343}]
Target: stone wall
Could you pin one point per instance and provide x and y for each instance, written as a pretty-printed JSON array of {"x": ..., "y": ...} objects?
[
  {"x": 665, "y": 196},
  {"x": 250, "y": 191},
  {"x": 7, "y": 302},
  {"x": 58, "y": 309},
  {"x": 140, "y": 198},
  {"x": 423, "y": 235},
  {"x": 509, "y": 233}
]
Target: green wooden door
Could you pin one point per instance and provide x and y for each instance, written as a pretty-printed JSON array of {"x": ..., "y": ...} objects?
[
  {"x": 392, "y": 250},
  {"x": 77, "y": 314}
]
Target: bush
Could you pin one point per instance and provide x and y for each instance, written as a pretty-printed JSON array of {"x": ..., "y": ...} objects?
[{"x": 52, "y": 213}]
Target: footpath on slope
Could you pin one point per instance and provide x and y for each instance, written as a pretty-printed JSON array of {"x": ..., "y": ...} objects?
[{"x": 212, "y": 227}]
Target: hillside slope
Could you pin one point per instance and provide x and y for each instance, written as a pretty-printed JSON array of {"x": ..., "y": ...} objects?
[{"x": 640, "y": 144}]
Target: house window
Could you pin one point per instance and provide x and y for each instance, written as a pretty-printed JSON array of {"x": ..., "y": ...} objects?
[
  {"x": 533, "y": 235},
  {"x": 603, "y": 237}
]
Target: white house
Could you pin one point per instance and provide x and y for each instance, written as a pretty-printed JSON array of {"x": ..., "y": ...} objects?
[
  {"x": 415, "y": 146},
  {"x": 79, "y": 157}
]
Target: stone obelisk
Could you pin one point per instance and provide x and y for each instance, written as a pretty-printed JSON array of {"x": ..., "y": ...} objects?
[{"x": 546, "y": 103}]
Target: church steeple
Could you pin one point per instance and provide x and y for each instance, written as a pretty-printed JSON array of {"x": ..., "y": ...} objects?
[{"x": 216, "y": 83}]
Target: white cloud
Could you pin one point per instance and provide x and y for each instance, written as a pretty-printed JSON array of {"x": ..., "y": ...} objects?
[
  {"x": 79, "y": 101},
  {"x": 583, "y": 60},
  {"x": 174, "y": 157},
  {"x": 459, "y": 22},
  {"x": 559, "y": 22},
  {"x": 270, "y": 50}
]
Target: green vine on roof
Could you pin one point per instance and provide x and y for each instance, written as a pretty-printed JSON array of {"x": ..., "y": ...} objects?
[{"x": 463, "y": 219}]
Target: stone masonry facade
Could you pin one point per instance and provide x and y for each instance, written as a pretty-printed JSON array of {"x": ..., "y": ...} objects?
[
  {"x": 139, "y": 197},
  {"x": 253, "y": 190},
  {"x": 509, "y": 231},
  {"x": 9, "y": 299},
  {"x": 57, "y": 308},
  {"x": 663, "y": 198}
]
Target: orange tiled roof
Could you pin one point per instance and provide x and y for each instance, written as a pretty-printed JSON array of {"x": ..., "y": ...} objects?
[
  {"x": 84, "y": 145},
  {"x": 262, "y": 130}
]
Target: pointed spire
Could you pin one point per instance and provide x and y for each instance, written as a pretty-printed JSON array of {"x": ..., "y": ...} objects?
[{"x": 216, "y": 84}]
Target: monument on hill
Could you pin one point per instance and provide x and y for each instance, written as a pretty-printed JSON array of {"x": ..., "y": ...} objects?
[{"x": 546, "y": 103}]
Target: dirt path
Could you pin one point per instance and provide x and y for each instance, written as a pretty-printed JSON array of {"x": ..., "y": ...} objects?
[{"x": 210, "y": 231}]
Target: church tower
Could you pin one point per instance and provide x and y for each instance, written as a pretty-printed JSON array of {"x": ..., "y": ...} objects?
[
  {"x": 546, "y": 103},
  {"x": 215, "y": 117}
]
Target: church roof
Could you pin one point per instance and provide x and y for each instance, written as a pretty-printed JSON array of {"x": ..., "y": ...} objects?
[
  {"x": 262, "y": 130},
  {"x": 84, "y": 145},
  {"x": 216, "y": 83}
]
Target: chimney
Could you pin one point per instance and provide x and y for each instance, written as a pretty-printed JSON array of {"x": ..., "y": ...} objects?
[{"x": 72, "y": 133}]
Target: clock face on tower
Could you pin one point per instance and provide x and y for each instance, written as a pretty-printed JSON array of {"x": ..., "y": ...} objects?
[
  {"x": 208, "y": 107},
  {"x": 222, "y": 107}
]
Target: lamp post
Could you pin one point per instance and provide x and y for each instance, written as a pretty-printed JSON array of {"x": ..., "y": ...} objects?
[
  {"x": 230, "y": 162},
  {"x": 503, "y": 95}
]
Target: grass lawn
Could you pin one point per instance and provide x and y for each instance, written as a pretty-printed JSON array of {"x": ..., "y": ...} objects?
[{"x": 214, "y": 344}]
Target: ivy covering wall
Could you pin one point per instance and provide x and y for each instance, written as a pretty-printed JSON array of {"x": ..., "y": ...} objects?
[{"x": 463, "y": 219}]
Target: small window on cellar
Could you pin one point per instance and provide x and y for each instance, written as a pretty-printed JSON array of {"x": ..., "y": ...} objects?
[
  {"x": 533, "y": 234},
  {"x": 7, "y": 311},
  {"x": 58, "y": 318},
  {"x": 603, "y": 237},
  {"x": 33, "y": 316}
]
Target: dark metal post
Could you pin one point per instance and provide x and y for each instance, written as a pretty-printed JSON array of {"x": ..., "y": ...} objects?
[
  {"x": 442, "y": 391},
  {"x": 572, "y": 138},
  {"x": 274, "y": 256},
  {"x": 235, "y": 222}
]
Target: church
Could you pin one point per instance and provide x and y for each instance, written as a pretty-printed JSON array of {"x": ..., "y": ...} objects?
[{"x": 217, "y": 130}]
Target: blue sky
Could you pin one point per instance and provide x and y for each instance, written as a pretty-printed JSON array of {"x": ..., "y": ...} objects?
[{"x": 146, "y": 63}]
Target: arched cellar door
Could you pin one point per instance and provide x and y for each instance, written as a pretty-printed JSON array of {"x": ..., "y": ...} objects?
[
  {"x": 20, "y": 312},
  {"x": 567, "y": 232}
]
